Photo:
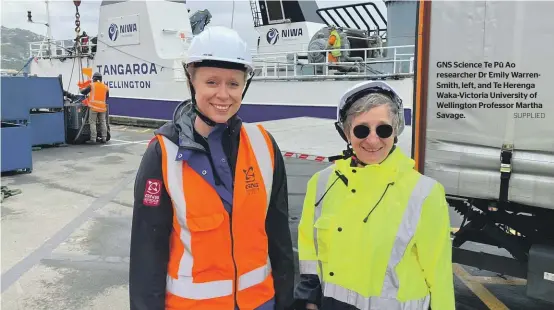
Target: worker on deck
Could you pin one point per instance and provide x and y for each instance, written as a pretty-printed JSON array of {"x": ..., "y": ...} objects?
[
  {"x": 374, "y": 233},
  {"x": 334, "y": 44},
  {"x": 84, "y": 41},
  {"x": 210, "y": 223},
  {"x": 98, "y": 95}
]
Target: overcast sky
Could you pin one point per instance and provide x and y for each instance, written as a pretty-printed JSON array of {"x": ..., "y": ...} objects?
[{"x": 62, "y": 15}]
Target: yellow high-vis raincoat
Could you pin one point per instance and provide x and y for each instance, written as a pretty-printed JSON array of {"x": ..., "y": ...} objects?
[{"x": 380, "y": 242}]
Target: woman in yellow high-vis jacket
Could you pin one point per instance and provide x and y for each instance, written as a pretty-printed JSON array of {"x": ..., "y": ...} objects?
[{"x": 374, "y": 232}]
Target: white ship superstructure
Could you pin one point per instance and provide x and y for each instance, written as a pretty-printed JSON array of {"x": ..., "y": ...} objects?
[{"x": 140, "y": 46}]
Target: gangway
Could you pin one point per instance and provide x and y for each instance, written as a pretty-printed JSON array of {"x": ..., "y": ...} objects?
[{"x": 342, "y": 10}]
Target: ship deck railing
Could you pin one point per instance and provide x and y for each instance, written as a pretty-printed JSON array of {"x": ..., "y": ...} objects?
[
  {"x": 290, "y": 65},
  {"x": 294, "y": 65},
  {"x": 52, "y": 49}
]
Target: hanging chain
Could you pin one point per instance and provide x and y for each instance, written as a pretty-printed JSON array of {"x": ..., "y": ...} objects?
[
  {"x": 77, "y": 37},
  {"x": 77, "y": 17},
  {"x": 77, "y": 21}
]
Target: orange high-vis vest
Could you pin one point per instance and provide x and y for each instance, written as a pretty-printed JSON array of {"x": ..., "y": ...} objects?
[
  {"x": 215, "y": 262},
  {"x": 97, "y": 96}
]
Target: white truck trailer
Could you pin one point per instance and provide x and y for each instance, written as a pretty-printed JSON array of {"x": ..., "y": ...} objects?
[{"x": 484, "y": 127}]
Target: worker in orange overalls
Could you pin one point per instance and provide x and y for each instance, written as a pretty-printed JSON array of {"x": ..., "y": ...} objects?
[{"x": 98, "y": 95}]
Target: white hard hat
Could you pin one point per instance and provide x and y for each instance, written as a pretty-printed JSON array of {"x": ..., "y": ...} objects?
[
  {"x": 361, "y": 89},
  {"x": 219, "y": 44}
]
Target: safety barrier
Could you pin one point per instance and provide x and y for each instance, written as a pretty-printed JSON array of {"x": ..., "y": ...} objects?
[
  {"x": 32, "y": 114},
  {"x": 390, "y": 61},
  {"x": 61, "y": 48}
]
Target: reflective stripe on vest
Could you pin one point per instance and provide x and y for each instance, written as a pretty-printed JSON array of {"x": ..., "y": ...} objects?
[
  {"x": 201, "y": 272},
  {"x": 406, "y": 231},
  {"x": 97, "y": 98}
]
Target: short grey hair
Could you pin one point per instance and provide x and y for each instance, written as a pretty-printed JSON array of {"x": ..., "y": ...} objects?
[{"x": 367, "y": 103}]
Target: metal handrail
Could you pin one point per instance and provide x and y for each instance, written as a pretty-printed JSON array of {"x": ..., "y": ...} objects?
[
  {"x": 58, "y": 48},
  {"x": 342, "y": 49},
  {"x": 277, "y": 62},
  {"x": 281, "y": 60}
]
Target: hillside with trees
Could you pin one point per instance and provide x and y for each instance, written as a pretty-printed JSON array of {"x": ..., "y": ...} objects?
[{"x": 15, "y": 46}]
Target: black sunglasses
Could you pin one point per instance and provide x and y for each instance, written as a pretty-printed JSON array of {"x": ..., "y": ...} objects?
[{"x": 383, "y": 131}]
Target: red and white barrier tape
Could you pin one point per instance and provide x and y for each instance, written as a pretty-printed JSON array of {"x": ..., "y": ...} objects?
[{"x": 305, "y": 156}]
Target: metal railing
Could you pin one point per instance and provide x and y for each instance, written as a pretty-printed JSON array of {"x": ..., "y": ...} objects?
[
  {"x": 61, "y": 48},
  {"x": 289, "y": 66}
]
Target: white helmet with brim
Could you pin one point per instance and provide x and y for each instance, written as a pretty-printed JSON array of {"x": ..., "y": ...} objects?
[
  {"x": 220, "y": 46},
  {"x": 358, "y": 91}
]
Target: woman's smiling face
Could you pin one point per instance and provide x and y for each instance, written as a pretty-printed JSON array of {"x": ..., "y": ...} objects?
[
  {"x": 218, "y": 91},
  {"x": 372, "y": 149}
]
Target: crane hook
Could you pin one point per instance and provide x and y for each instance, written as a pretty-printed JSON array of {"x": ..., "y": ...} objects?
[{"x": 77, "y": 2}]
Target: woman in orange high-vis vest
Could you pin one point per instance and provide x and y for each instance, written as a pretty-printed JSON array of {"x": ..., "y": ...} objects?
[{"x": 210, "y": 224}]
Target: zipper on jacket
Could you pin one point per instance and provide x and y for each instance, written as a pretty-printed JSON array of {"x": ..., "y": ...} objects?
[
  {"x": 375, "y": 206},
  {"x": 234, "y": 263}
]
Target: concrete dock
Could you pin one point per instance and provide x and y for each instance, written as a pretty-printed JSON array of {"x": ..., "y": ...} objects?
[{"x": 65, "y": 237}]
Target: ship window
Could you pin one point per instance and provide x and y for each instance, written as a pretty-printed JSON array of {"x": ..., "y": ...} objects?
[{"x": 275, "y": 10}]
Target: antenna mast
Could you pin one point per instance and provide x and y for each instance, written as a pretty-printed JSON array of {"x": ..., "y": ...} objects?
[{"x": 47, "y": 24}]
